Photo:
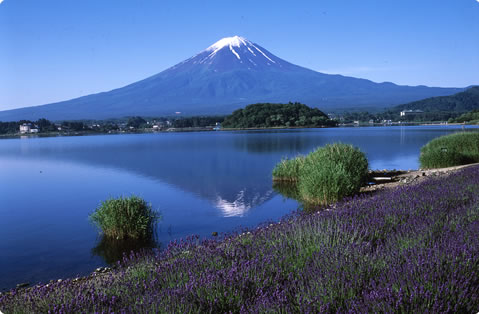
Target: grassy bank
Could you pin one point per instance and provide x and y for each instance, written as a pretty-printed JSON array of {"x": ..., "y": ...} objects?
[
  {"x": 409, "y": 249},
  {"x": 451, "y": 150}
]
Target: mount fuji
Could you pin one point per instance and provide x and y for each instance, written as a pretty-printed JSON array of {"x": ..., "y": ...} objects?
[{"x": 229, "y": 74}]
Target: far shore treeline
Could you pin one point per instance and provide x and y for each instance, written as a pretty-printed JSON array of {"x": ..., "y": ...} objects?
[
  {"x": 253, "y": 116},
  {"x": 130, "y": 124}
]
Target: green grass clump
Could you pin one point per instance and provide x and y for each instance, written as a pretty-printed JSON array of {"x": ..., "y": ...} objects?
[
  {"x": 288, "y": 169},
  {"x": 325, "y": 175},
  {"x": 331, "y": 173},
  {"x": 450, "y": 150},
  {"x": 122, "y": 218}
]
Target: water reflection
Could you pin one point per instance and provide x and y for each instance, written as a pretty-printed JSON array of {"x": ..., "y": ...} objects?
[
  {"x": 243, "y": 202},
  {"x": 205, "y": 165},
  {"x": 112, "y": 250},
  {"x": 232, "y": 170},
  {"x": 290, "y": 190},
  {"x": 287, "y": 189},
  {"x": 282, "y": 141}
]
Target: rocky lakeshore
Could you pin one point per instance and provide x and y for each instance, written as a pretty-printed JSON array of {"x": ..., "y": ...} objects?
[{"x": 381, "y": 179}]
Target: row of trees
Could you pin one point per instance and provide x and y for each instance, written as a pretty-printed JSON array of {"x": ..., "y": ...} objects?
[
  {"x": 365, "y": 116},
  {"x": 471, "y": 117},
  {"x": 43, "y": 125},
  {"x": 195, "y": 122},
  {"x": 257, "y": 115},
  {"x": 106, "y": 126},
  {"x": 179, "y": 122},
  {"x": 430, "y": 116},
  {"x": 12, "y": 127},
  {"x": 277, "y": 115}
]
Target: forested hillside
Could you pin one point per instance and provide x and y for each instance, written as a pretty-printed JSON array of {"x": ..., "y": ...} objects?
[{"x": 465, "y": 101}]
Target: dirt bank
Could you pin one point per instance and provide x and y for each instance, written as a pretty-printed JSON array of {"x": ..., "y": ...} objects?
[{"x": 382, "y": 179}]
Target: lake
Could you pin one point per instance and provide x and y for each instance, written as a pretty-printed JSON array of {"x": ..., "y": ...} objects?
[{"x": 200, "y": 182}]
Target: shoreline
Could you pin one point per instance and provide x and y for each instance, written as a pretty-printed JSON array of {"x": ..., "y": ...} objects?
[
  {"x": 205, "y": 129},
  {"x": 397, "y": 178},
  {"x": 148, "y": 131}
]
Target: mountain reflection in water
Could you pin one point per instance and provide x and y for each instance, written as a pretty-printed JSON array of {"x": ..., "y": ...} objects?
[
  {"x": 232, "y": 170},
  {"x": 217, "y": 168},
  {"x": 242, "y": 204}
]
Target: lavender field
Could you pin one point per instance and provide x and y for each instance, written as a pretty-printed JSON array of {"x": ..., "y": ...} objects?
[{"x": 409, "y": 249}]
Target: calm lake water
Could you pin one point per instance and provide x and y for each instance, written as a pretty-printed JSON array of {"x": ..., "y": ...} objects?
[{"x": 200, "y": 182}]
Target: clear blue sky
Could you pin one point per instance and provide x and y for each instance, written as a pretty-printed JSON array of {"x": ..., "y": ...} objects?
[{"x": 53, "y": 50}]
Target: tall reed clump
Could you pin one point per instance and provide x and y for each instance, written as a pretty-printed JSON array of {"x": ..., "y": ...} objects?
[
  {"x": 332, "y": 172},
  {"x": 326, "y": 175},
  {"x": 450, "y": 150},
  {"x": 288, "y": 169},
  {"x": 125, "y": 217}
]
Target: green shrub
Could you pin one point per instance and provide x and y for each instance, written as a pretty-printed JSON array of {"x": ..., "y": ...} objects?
[
  {"x": 450, "y": 150},
  {"x": 331, "y": 173},
  {"x": 288, "y": 169},
  {"x": 123, "y": 218}
]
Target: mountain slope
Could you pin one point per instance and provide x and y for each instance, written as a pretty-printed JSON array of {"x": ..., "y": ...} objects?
[
  {"x": 465, "y": 101},
  {"x": 229, "y": 74}
]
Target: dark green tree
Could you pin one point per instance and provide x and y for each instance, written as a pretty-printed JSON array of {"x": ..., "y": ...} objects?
[{"x": 136, "y": 122}]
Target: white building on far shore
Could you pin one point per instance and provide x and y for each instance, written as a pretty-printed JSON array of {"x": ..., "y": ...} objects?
[
  {"x": 28, "y": 128},
  {"x": 410, "y": 112}
]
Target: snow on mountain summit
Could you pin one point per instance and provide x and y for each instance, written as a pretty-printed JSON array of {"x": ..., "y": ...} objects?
[
  {"x": 236, "y": 52},
  {"x": 235, "y": 41}
]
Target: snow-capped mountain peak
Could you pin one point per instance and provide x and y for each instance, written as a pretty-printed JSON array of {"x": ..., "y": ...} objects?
[
  {"x": 244, "y": 52},
  {"x": 235, "y": 41}
]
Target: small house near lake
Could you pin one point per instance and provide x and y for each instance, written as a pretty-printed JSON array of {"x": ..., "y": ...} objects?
[{"x": 28, "y": 128}]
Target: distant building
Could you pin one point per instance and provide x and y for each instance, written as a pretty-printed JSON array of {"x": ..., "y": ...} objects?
[
  {"x": 28, "y": 128},
  {"x": 410, "y": 112},
  {"x": 25, "y": 128}
]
